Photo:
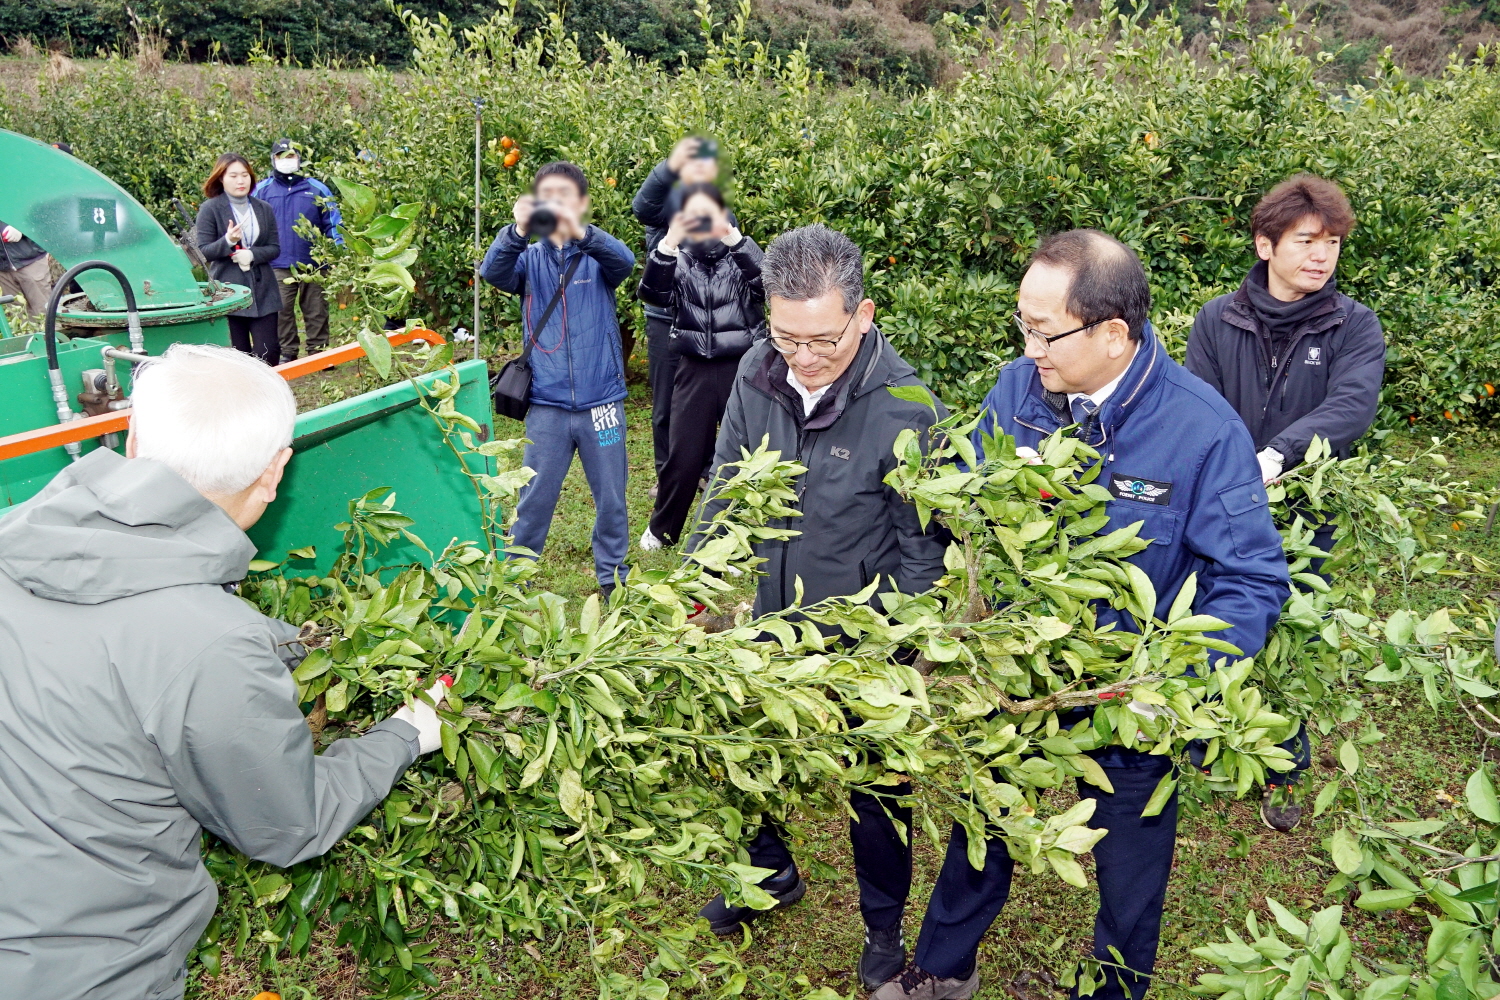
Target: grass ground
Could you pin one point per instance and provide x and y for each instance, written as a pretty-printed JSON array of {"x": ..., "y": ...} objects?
[{"x": 1226, "y": 861}]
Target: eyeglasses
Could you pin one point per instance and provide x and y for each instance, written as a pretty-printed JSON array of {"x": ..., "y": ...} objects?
[
  {"x": 1030, "y": 334},
  {"x": 819, "y": 348}
]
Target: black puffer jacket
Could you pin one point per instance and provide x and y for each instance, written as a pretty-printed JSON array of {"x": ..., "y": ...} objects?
[{"x": 714, "y": 295}]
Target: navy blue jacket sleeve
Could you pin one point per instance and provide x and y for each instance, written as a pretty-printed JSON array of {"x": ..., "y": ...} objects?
[
  {"x": 616, "y": 260},
  {"x": 1201, "y": 359},
  {"x": 1355, "y": 371},
  {"x": 650, "y": 203},
  {"x": 503, "y": 265},
  {"x": 1229, "y": 527}
]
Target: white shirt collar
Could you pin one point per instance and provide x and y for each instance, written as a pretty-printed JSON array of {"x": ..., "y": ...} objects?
[
  {"x": 809, "y": 397},
  {"x": 1105, "y": 391}
]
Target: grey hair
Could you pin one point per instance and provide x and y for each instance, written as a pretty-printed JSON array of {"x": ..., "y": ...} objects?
[{"x": 806, "y": 263}]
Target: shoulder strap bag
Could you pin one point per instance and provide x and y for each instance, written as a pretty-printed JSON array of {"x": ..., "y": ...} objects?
[{"x": 512, "y": 386}]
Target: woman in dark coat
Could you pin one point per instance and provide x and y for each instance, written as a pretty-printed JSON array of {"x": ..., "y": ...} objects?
[
  {"x": 708, "y": 275},
  {"x": 237, "y": 233}
]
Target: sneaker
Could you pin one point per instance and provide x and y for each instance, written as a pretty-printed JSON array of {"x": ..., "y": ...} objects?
[
  {"x": 649, "y": 542},
  {"x": 1279, "y": 811},
  {"x": 916, "y": 983},
  {"x": 785, "y": 887},
  {"x": 884, "y": 956}
]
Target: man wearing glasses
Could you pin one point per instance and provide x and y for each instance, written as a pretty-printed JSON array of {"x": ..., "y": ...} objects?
[
  {"x": 1176, "y": 457},
  {"x": 818, "y": 387}
]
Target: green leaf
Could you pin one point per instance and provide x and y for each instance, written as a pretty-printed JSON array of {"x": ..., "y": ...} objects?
[
  {"x": 1479, "y": 894},
  {"x": 1451, "y": 987},
  {"x": 1182, "y": 604},
  {"x": 1349, "y": 757},
  {"x": 450, "y": 742},
  {"x": 484, "y": 757},
  {"x": 1159, "y": 798},
  {"x": 1385, "y": 899},
  {"x": 1344, "y": 846},
  {"x": 356, "y": 202},
  {"x": 911, "y": 393},
  {"x": 1479, "y": 794},
  {"x": 377, "y": 348},
  {"x": 1286, "y": 920},
  {"x": 262, "y": 565}
]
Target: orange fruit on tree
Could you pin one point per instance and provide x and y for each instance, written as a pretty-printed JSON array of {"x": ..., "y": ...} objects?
[
  {"x": 1448, "y": 415},
  {"x": 1152, "y": 140},
  {"x": 610, "y": 181},
  {"x": 1458, "y": 526},
  {"x": 890, "y": 260},
  {"x": 512, "y": 158},
  {"x": 506, "y": 142},
  {"x": 1489, "y": 390}
]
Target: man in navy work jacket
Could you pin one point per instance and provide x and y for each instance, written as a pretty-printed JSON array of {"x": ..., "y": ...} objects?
[
  {"x": 293, "y": 196},
  {"x": 1178, "y": 458},
  {"x": 577, "y": 371}
]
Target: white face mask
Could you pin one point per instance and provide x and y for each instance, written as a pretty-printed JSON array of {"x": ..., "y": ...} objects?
[{"x": 288, "y": 164}]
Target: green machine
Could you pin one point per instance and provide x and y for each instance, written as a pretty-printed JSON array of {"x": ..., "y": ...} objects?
[{"x": 139, "y": 294}]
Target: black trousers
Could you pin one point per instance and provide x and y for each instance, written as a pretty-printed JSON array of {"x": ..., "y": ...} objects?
[
  {"x": 700, "y": 392},
  {"x": 882, "y": 863},
  {"x": 662, "y": 364},
  {"x": 256, "y": 335},
  {"x": 1134, "y": 861}
]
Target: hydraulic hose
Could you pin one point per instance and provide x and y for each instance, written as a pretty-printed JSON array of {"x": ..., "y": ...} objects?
[{"x": 54, "y": 372}]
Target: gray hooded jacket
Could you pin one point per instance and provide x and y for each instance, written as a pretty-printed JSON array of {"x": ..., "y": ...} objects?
[{"x": 141, "y": 703}]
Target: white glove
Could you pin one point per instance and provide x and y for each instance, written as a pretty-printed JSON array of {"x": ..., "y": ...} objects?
[
  {"x": 1030, "y": 454},
  {"x": 424, "y": 719},
  {"x": 732, "y": 238},
  {"x": 1271, "y": 462},
  {"x": 10, "y": 234},
  {"x": 243, "y": 258}
]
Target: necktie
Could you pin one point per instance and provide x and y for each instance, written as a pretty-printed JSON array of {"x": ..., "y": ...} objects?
[{"x": 1083, "y": 409}]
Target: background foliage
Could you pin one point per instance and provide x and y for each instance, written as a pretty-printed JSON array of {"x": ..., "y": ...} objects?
[{"x": 1108, "y": 123}]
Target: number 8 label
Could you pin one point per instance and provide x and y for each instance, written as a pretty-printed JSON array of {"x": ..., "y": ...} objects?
[{"x": 99, "y": 218}]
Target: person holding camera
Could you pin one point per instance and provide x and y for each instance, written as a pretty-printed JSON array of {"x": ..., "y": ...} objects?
[
  {"x": 693, "y": 160},
  {"x": 567, "y": 281},
  {"x": 707, "y": 274}
]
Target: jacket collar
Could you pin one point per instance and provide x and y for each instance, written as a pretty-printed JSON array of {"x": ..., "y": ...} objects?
[
  {"x": 1146, "y": 370},
  {"x": 1240, "y": 313}
]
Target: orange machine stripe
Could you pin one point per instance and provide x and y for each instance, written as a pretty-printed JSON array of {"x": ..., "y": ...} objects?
[{"x": 28, "y": 442}]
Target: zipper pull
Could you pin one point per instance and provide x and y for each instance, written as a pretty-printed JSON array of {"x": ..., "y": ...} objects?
[{"x": 1273, "y": 362}]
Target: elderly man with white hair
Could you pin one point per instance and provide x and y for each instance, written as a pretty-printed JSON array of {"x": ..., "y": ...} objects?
[{"x": 142, "y": 702}]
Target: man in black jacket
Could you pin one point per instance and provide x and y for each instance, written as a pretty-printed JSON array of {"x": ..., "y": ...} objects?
[
  {"x": 1293, "y": 355},
  {"x": 1295, "y": 358},
  {"x": 818, "y": 386},
  {"x": 692, "y": 161}
]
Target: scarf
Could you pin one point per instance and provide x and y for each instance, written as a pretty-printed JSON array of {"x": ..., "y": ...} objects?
[{"x": 1283, "y": 319}]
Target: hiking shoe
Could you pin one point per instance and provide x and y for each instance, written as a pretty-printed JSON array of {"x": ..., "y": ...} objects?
[
  {"x": 785, "y": 887},
  {"x": 884, "y": 956},
  {"x": 916, "y": 983},
  {"x": 649, "y": 542},
  {"x": 1279, "y": 811}
]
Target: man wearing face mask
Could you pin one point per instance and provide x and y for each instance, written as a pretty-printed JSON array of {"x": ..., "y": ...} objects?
[
  {"x": 294, "y": 197},
  {"x": 1176, "y": 458}
]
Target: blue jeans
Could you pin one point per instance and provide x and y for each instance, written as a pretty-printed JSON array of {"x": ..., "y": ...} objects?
[{"x": 598, "y": 435}]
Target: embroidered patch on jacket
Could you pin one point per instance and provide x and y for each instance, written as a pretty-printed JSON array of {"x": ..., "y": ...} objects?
[
  {"x": 838, "y": 452},
  {"x": 1314, "y": 356},
  {"x": 1144, "y": 490}
]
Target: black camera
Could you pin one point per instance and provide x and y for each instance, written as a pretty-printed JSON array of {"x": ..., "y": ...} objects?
[
  {"x": 708, "y": 149},
  {"x": 700, "y": 224},
  {"x": 543, "y": 222}
]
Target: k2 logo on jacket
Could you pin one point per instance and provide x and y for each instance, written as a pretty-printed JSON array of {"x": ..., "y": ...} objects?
[
  {"x": 607, "y": 424},
  {"x": 1144, "y": 490},
  {"x": 1314, "y": 356},
  {"x": 838, "y": 452}
]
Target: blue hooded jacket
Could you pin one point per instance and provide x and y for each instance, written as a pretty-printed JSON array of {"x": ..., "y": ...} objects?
[
  {"x": 576, "y": 361},
  {"x": 293, "y": 197},
  {"x": 1177, "y": 457}
]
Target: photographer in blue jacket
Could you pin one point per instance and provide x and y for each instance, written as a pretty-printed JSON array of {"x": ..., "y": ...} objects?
[
  {"x": 1175, "y": 456},
  {"x": 577, "y": 365}
]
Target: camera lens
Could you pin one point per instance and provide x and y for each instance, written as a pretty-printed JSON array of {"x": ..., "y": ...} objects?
[{"x": 543, "y": 222}]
